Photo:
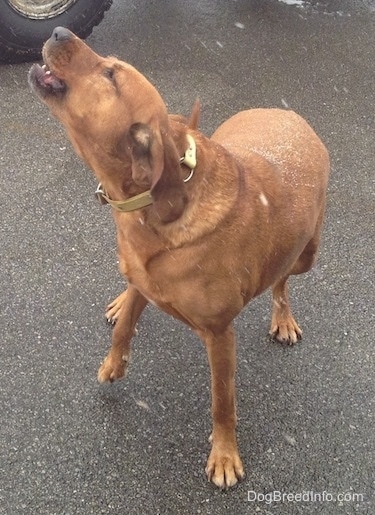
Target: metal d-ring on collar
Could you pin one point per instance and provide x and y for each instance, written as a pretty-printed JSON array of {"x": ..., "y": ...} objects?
[
  {"x": 144, "y": 199},
  {"x": 190, "y": 174}
]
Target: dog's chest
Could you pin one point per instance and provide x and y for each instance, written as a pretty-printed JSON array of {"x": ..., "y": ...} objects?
[{"x": 136, "y": 254}]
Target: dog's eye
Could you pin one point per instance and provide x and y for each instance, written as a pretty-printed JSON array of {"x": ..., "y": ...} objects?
[{"x": 109, "y": 73}]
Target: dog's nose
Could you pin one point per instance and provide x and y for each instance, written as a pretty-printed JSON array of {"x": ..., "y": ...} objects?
[{"x": 61, "y": 34}]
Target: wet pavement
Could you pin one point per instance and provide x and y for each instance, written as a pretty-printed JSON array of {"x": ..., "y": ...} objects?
[{"x": 306, "y": 414}]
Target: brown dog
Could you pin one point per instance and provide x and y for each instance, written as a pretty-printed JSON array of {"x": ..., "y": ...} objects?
[{"x": 203, "y": 225}]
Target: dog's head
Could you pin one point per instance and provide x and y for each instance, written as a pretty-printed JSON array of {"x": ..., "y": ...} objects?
[{"x": 113, "y": 115}]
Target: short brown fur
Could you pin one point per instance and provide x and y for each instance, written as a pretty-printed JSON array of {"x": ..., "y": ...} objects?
[{"x": 249, "y": 217}]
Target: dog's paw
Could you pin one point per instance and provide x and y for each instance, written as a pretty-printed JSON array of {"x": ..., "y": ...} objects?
[
  {"x": 114, "y": 308},
  {"x": 224, "y": 469},
  {"x": 112, "y": 369},
  {"x": 112, "y": 313},
  {"x": 285, "y": 331}
]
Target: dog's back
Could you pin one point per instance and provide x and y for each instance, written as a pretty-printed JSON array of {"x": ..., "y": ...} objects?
[{"x": 283, "y": 138}]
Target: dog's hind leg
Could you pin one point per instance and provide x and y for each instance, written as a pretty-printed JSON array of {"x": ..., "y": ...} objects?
[
  {"x": 224, "y": 466},
  {"x": 283, "y": 326},
  {"x": 116, "y": 362},
  {"x": 309, "y": 254}
]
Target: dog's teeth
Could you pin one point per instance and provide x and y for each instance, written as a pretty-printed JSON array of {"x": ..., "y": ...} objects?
[
  {"x": 48, "y": 72},
  {"x": 44, "y": 66}
]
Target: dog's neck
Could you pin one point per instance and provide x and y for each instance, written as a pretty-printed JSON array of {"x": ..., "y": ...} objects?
[{"x": 144, "y": 199}]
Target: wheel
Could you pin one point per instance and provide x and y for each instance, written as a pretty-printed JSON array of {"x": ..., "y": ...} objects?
[{"x": 26, "y": 24}]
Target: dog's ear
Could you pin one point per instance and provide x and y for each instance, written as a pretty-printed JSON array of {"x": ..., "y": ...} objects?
[
  {"x": 156, "y": 164},
  {"x": 193, "y": 120},
  {"x": 195, "y": 114},
  {"x": 140, "y": 140}
]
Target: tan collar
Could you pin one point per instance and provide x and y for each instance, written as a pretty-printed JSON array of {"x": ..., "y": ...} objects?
[{"x": 144, "y": 199}]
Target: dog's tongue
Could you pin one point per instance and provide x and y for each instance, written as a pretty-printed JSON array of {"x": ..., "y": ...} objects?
[
  {"x": 48, "y": 79},
  {"x": 44, "y": 82},
  {"x": 52, "y": 80}
]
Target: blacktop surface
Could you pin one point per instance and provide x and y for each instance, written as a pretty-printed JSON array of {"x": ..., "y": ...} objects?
[{"x": 306, "y": 413}]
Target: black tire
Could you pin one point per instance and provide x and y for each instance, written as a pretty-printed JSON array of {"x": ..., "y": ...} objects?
[{"x": 22, "y": 34}]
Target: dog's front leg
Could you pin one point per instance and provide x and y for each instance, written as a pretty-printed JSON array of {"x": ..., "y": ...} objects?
[
  {"x": 224, "y": 466},
  {"x": 116, "y": 362}
]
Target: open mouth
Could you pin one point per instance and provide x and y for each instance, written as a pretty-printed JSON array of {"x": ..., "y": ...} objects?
[{"x": 44, "y": 82}]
